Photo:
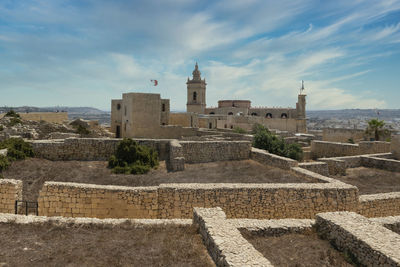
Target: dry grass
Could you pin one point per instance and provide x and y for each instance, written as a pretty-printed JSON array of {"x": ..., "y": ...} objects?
[
  {"x": 297, "y": 250},
  {"x": 34, "y": 172},
  {"x": 45, "y": 245},
  {"x": 372, "y": 181}
]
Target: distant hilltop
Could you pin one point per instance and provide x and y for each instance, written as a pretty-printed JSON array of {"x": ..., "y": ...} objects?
[
  {"x": 70, "y": 110},
  {"x": 355, "y": 113}
]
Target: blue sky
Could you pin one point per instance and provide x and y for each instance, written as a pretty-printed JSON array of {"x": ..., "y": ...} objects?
[{"x": 85, "y": 53}]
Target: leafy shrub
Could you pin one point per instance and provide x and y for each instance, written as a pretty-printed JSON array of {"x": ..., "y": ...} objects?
[
  {"x": 130, "y": 157},
  {"x": 14, "y": 121},
  {"x": 1, "y": 128},
  {"x": 82, "y": 130},
  {"x": 17, "y": 148},
  {"x": 239, "y": 130},
  {"x": 264, "y": 139},
  {"x": 4, "y": 163},
  {"x": 13, "y": 114},
  {"x": 350, "y": 140}
]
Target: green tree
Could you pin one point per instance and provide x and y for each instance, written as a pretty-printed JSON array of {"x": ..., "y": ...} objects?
[{"x": 376, "y": 127}]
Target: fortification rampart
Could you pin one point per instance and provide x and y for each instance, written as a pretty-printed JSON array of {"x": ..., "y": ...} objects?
[
  {"x": 53, "y": 117},
  {"x": 322, "y": 149},
  {"x": 10, "y": 191},
  {"x": 177, "y": 200}
]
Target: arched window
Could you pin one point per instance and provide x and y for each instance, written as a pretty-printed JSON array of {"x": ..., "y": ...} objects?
[
  {"x": 194, "y": 96},
  {"x": 254, "y": 114},
  {"x": 284, "y": 116},
  {"x": 212, "y": 113},
  {"x": 118, "y": 106},
  {"x": 230, "y": 113},
  {"x": 163, "y": 107},
  {"x": 268, "y": 116}
]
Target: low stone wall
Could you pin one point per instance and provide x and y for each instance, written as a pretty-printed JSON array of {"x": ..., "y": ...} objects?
[
  {"x": 380, "y": 205},
  {"x": 209, "y": 151},
  {"x": 395, "y": 146},
  {"x": 85, "y": 200},
  {"x": 53, "y": 117},
  {"x": 269, "y": 159},
  {"x": 317, "y": 167},
  {"x": 176, "y": 160},
  {"x": 335, "y": 166},
  {"x": 258, "y": 201},
  {"x": 390, "y": 222},
  {"x": 322, "y": 149},
  {"x": 224, "y": 242},
  {"x": 381, "y": 163},
  {"x": 10, "y": 191},
  {"x": 371, "y": 243},
  {"x": 90, "y": 148}
]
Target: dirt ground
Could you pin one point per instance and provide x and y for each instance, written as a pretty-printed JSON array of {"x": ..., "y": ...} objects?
[
  {"x": 34, "y": 172},
  {"x": 47, "y": 245},
  {"x": 297, "y": 250},
  {"x": 372, "y": 181}
]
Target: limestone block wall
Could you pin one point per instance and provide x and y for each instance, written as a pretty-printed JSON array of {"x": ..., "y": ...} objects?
[
  {"x": 264, "y": 157},
  {"x": 322, "y": 149},
  {"x": 258, "y": 201},
  {"x": 353, "y": 233},
  {"x": 85, "y": 200},
  {"x": 342, "y": 135},
  {"x": 381, "y": 163},
  {"x": 317, "y": 167},
  {"x": 90, "y": 148},
  {"x": 395, "y": 146},
  {"x": 54, "y": 117},
  {"x": 176, "y": 160},
  {"x": 208, "y": 151},
  {"x": 380, "y": 205},
  {"x": 10, "y": 191}
]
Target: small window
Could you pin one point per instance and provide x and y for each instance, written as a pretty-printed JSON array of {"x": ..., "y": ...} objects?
[
  {"x": 284, "y": 116},
  {"x": 268, "y": 116},
  {"x": 254, "y": 114},
  {"x": 118, "y": 106},
  {"x": 226, "y": 126},
  {"x": 163, "y": 107},
  {"x": 231, "y": 126},
  {"x": 125, "y": 110},
  {"x": 210, "y": 125},
  {"x": 212, "y": 113},
  {"x": 230, "y": 113},
  {"x": 194, "y": 96}
]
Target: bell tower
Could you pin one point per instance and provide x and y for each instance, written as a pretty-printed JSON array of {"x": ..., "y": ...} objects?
[{"x": 196, "y": 92}]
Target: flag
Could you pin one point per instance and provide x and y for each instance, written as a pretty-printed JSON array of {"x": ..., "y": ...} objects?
[{"x": 155, "y": 82}]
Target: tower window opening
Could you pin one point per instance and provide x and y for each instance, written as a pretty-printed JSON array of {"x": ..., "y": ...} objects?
[
  {"x": 254, "y": 114},
  {"x": 230, "y": 113},
  {"x": 163, "y": 107},
  {"x": 194, "y": 96},
  {"x": 268, "y": 116},
  {"x": 284, "y": 116}
]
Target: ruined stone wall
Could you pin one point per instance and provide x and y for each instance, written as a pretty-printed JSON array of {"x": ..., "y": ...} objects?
[
  {"x": 269, "y": 159},
  {"x": 90, "y": 148},
  {"x": 53, "y": 117},
  {"x": 258, "y": 201},
  {"x": 208, "y": 151},
  {"x": 380, "y": 205},
  {"x": 395, "y": 146},
  {"x": 342, "y": 135},
  {"x": 322, "y": 149},
  {"x": 99, "y": 201},
  {"x": 10, "y": 191},
  {"x": 370, "y": 243},
  {"x": 381, "y": 163},
  {"x": 317, "y": 167}
]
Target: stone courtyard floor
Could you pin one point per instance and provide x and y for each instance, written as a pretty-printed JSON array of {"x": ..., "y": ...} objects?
[
  {"x": 297, "y": 250},
  {"x": 372, "y": 181},
  {"x": 34, "y": 172},
  {"x": 91, "y": 245}
]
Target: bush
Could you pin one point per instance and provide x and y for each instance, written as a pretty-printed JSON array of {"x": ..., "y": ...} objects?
[
  {"x": 82, "y": 130},
  {"x": 4, "y": 163},
  {"x": 130, "y": 157},
  {"x": 17, "y": 148},
  {"x": 14, "y": 121},
  {"x": 1, "y": 128},
  {"x": 264, "y": 139},
  {"x": 13, "y": 114},
  {"x": 239, "y": 130}
]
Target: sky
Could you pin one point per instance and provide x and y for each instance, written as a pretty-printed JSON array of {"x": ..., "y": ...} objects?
[{"x": 87, "y": 52}]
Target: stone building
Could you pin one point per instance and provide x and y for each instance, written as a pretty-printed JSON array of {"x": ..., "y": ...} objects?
[{"x": 237, "y": 113}]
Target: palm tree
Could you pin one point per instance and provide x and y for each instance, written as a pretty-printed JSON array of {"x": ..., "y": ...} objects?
[{"x": 375, "y": 127}]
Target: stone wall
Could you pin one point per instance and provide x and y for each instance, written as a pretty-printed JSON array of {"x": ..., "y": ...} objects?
[
  {"x": 322, "y": 149},
  {"x": 317, "y": 167},
  {"x": 381, "y": 163},
  {"x": 269, "y": 159},
  {"x": 371, "y": 243},
  {"x": 258, "y": 201},
  {"x": 85, "y": 200},
  {"x": 53, "y": 117},
  {"x": 209, "y": 151},
  {"x": 10, "y": 191},
  {"x": 224, "y": 242},
  {"x": 395, "y": 146},
  {"x": 90, "y": 148},
  {"x": 380, "y": 205},
  {"x": 342, "y": 135}
]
